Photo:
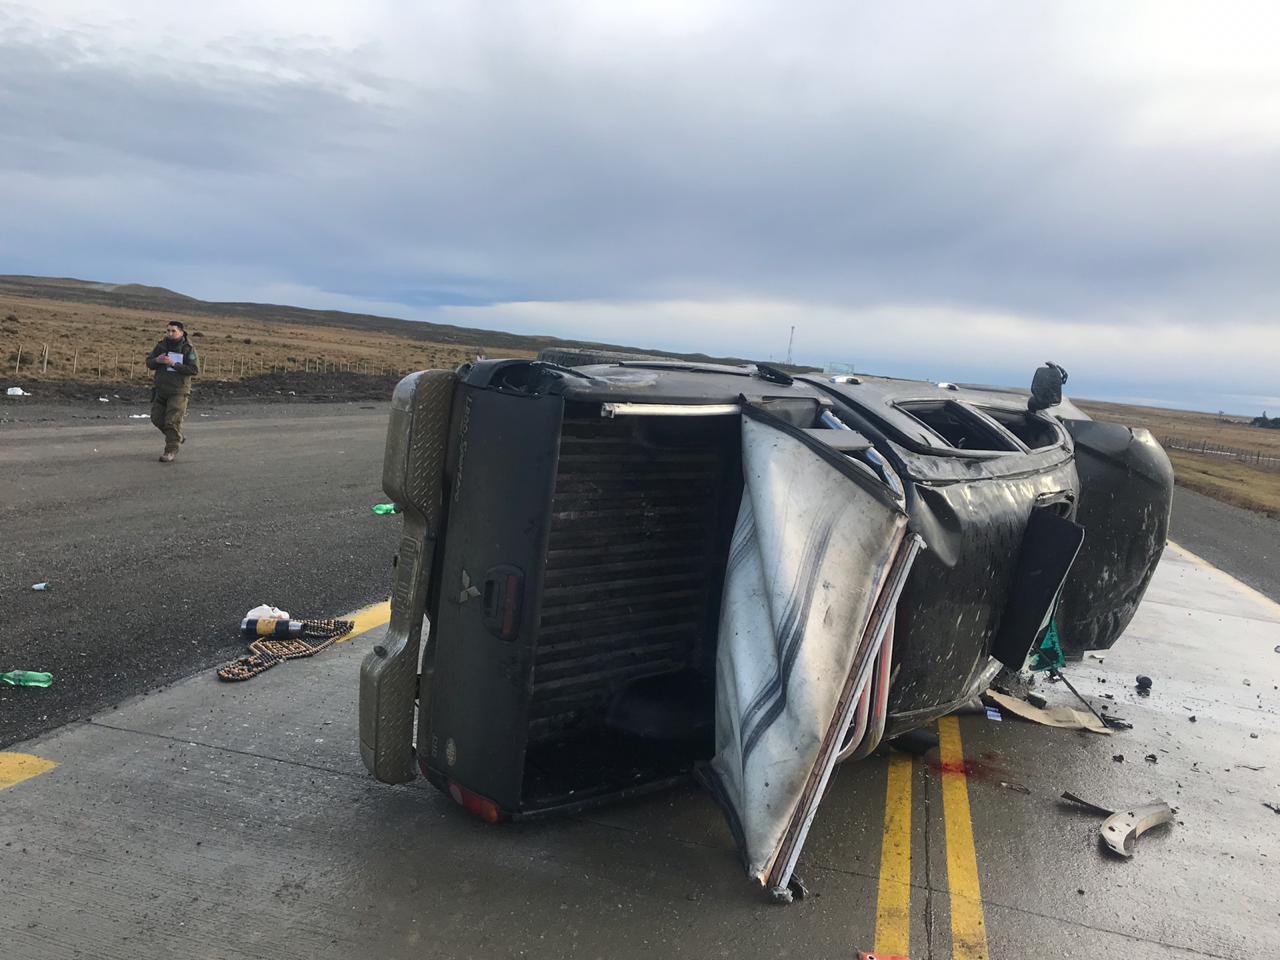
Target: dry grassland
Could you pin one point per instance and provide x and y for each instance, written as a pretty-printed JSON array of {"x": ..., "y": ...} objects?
[{"x": 90, "y": 342}]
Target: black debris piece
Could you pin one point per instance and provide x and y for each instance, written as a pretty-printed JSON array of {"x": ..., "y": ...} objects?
[
  {"x": 1192, "y": 718},
  {"x": 1144, "y": 685},
  {"x": 1072, "y": 798},
  {"x": 1273, "y": 807},
  {"x": 915, "y": 742},
  {"x": 1151, "y": 758},
  {"x": 1117, "y": 757}
]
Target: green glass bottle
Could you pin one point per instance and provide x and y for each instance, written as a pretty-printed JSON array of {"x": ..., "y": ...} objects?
[{"x": 26, "y": 678}]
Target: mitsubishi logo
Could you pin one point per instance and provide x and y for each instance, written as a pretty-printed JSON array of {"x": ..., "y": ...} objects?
[{"x": 468, "y": 591}]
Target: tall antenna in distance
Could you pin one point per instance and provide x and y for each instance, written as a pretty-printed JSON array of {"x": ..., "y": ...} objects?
[{"x": 790, "y": 340}]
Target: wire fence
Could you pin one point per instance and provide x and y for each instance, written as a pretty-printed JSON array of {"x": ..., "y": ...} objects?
[
  {"x": 1267, "y": 459},
  {"x": 38, "y": 360}
]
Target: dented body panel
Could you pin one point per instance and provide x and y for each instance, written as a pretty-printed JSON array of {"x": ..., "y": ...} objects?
[{"x": 576, "y": 572}]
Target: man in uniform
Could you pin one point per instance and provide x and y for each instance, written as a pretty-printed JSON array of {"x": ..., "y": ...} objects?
[{"x": 175, "y": 362}]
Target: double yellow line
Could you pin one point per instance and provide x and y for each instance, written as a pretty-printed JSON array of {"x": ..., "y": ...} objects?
[{"x": 893, "y": 899}]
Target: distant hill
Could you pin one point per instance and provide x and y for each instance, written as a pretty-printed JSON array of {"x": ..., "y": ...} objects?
[{"x": 136, "y": 296}]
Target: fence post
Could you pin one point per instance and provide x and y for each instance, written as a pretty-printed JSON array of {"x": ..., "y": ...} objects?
[
  {"x": 17, "y": 363},
  {"x": 45, "y": 362},
  {"x": 75, "y": 361}
]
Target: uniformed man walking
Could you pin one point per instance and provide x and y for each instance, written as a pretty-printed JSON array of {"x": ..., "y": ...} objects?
[{"x": 175, "y": 362}]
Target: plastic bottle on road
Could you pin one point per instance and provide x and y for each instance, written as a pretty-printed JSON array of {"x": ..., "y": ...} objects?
[
  {"x": 26, "y": 678},
  {"x": 383, "y": 509}
]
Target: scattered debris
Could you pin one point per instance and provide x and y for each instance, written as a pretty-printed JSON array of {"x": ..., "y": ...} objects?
[
  {"x": 1066, "y": 718},
  {"x": 26, "y": 678},
  {"x": 1036, "y": 700},
  {"x": 915, "y": 742},
  {"x": 385, "y": 509},
  {"x": 1097, "y": 656},
  {"x": 1253, "y": 736},
  {"x": 139, "y": 416},
  {"x": 994, "y": 714},
  {"x": 1143, "y": 685},
  {"x": 1117, "y": 758},
  {"x": 1015, "y": 787},
  {"x": 1072, "y": 798},
  {"x": 16, "y": 392},
  {"x": 41, "y": 586},
  {"x": 311, "y": 637},
  {"x": 1247, "y": 766},
  {"x": 1151, "y": 758},
  {"x": 1273, "y": 807},
  {"x": 1247, "y": 683},
  {"x": 1118, "y": 723},
  {"x": 103, "y": 400},
  {"x": 1105, "y": 721},
  {"x": 1121, "y": 829},
  {"x": 1192, "y": 718}
]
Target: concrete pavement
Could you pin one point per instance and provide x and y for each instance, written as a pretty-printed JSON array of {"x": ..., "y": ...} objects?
[{"x": 236, "y": 821}]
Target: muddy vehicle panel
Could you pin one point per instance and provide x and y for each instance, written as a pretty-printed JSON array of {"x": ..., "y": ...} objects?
[{"x": 616, "y": 576}]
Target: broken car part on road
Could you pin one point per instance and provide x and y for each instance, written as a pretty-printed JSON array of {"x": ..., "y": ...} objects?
[
  {"x": 713, "y": 571},
  {"x": 1120, "y": 830}
]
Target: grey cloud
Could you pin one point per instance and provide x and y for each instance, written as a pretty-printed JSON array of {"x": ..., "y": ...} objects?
[{"x": 733, "y": 166}]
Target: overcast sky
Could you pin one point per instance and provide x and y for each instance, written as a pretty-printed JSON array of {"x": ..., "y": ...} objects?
[{"x": 951, "y": 190}]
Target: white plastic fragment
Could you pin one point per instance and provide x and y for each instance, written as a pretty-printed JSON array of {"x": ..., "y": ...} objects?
[
  {"x": 16, "y": 392},
  {"x": 1122, "y": 828},
  {"x": 43, "y": 585},
  {"x": 264, "y": 611}
]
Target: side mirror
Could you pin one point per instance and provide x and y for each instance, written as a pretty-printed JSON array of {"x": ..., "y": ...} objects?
[{"x": 1046, "y": 387}]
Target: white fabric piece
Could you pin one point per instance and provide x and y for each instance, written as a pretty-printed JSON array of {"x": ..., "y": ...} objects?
[
  {"x": 808, "y": 557},
  {"x": 264, "y": 611}
]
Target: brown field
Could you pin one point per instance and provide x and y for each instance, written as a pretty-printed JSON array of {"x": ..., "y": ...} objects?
[
  {"x": 1243, "y": 484},
  {"x": 99, "y": 343}
]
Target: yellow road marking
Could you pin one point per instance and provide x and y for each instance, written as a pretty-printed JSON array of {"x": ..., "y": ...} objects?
[
  {"x": 16, "y": 767},
  {"x": 893, "y": 900},
  {"x": 968, "y": 926},
  {"x": 370, "y": 618},
  {"x": 1242, "y": 587}
]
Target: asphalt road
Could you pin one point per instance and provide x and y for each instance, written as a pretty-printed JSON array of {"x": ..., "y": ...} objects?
[
  {"x": 1241, "y": 542},
  {"x": 151, "y": 566}
]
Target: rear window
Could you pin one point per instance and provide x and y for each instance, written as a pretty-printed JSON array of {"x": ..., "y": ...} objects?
[{"x": 957, "y": 426}]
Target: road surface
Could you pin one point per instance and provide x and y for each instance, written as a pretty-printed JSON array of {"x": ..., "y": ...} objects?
[{"x": 151, "y": 566}]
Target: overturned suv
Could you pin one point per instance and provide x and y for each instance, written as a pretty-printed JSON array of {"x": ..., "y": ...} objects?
[{"x": 613, "y": 576}]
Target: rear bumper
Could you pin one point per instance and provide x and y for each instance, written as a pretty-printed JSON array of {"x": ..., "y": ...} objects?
[{"x": 412, "y": 476}]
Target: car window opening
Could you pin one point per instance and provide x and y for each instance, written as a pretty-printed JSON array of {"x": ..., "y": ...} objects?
[
  {"x": 1030, "y": 429},
  {"x": 956, "y": 426}
]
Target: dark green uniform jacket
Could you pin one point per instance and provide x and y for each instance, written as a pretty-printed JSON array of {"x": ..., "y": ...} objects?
[{"x": 176, "y": 380}]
